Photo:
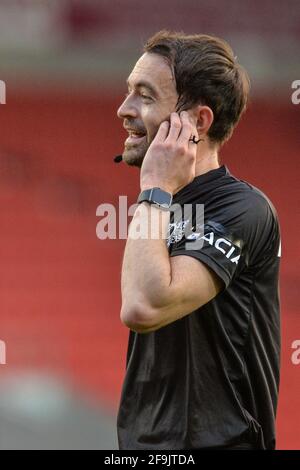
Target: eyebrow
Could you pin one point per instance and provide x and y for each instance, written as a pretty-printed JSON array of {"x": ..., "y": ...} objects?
[{"x": 144, "y": 84}]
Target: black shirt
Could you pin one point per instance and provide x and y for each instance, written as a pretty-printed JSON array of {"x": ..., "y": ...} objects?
[{"x": 211, "y": 378}]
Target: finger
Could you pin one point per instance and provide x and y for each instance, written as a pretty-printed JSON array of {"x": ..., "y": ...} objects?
[
  {"x": 162, "y": 132},
  {"x": 175, "y": 127},
  {"x": 188, "y": 129}
]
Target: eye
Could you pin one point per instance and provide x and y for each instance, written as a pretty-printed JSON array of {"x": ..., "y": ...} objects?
[{"x": 146, "y": 97}]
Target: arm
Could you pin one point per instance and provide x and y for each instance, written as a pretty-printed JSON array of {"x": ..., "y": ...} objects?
[{"x": 157, "y": 289}]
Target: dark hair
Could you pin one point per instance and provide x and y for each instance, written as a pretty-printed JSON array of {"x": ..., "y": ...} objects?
[{"x": 206, "y": 72}]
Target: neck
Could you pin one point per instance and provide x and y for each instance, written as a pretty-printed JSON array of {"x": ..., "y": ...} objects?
[{"x": 207, "y": 160}]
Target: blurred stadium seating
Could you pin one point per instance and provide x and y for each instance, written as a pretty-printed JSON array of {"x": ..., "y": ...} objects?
[{"x": 64, "y": 64}]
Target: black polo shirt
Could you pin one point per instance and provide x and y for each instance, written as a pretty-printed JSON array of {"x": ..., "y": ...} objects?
[{"x": 211, "y": 378}]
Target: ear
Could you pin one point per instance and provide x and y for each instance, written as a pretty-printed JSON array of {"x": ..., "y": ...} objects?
[{"x": 203, "y": 116}]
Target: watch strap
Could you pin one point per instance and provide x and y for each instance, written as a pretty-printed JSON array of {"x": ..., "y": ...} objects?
[{"x": 156, "y": 196}]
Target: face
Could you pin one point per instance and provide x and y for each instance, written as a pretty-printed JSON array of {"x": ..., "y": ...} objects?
[{"x": 151, "y": 98}]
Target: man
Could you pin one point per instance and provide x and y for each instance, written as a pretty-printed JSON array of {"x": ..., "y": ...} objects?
[{"x": 203, "y": 355}]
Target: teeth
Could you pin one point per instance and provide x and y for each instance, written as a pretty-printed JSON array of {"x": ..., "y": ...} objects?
[{"x": 135, "y": 134}]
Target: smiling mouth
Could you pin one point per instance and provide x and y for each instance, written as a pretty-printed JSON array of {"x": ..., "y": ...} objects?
[{"x": 135, "y": 136}]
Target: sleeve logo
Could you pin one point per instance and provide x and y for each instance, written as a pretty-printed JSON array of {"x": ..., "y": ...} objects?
[{"x": 230, "y": 250}]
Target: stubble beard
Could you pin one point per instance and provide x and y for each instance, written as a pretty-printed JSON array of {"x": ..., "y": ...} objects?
[{"x": 134, "y": 155}]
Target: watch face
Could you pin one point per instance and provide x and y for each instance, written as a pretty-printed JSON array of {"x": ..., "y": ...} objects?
[{"x": 161, "y": 198}]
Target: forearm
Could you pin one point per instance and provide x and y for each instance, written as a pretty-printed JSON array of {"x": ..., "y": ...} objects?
[{"x": 146, "y": 270}]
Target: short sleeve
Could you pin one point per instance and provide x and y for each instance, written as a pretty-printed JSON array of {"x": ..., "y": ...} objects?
[{"x": 236, "y": 234}]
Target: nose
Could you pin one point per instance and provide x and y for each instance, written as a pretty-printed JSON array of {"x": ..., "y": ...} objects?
[{"x": 127, "y": 109}]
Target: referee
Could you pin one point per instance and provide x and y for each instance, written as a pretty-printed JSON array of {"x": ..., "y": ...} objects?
[{"x": 204, "y": 345}]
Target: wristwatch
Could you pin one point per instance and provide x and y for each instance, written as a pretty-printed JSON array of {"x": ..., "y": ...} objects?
[{"x": 156, "y": 196}]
